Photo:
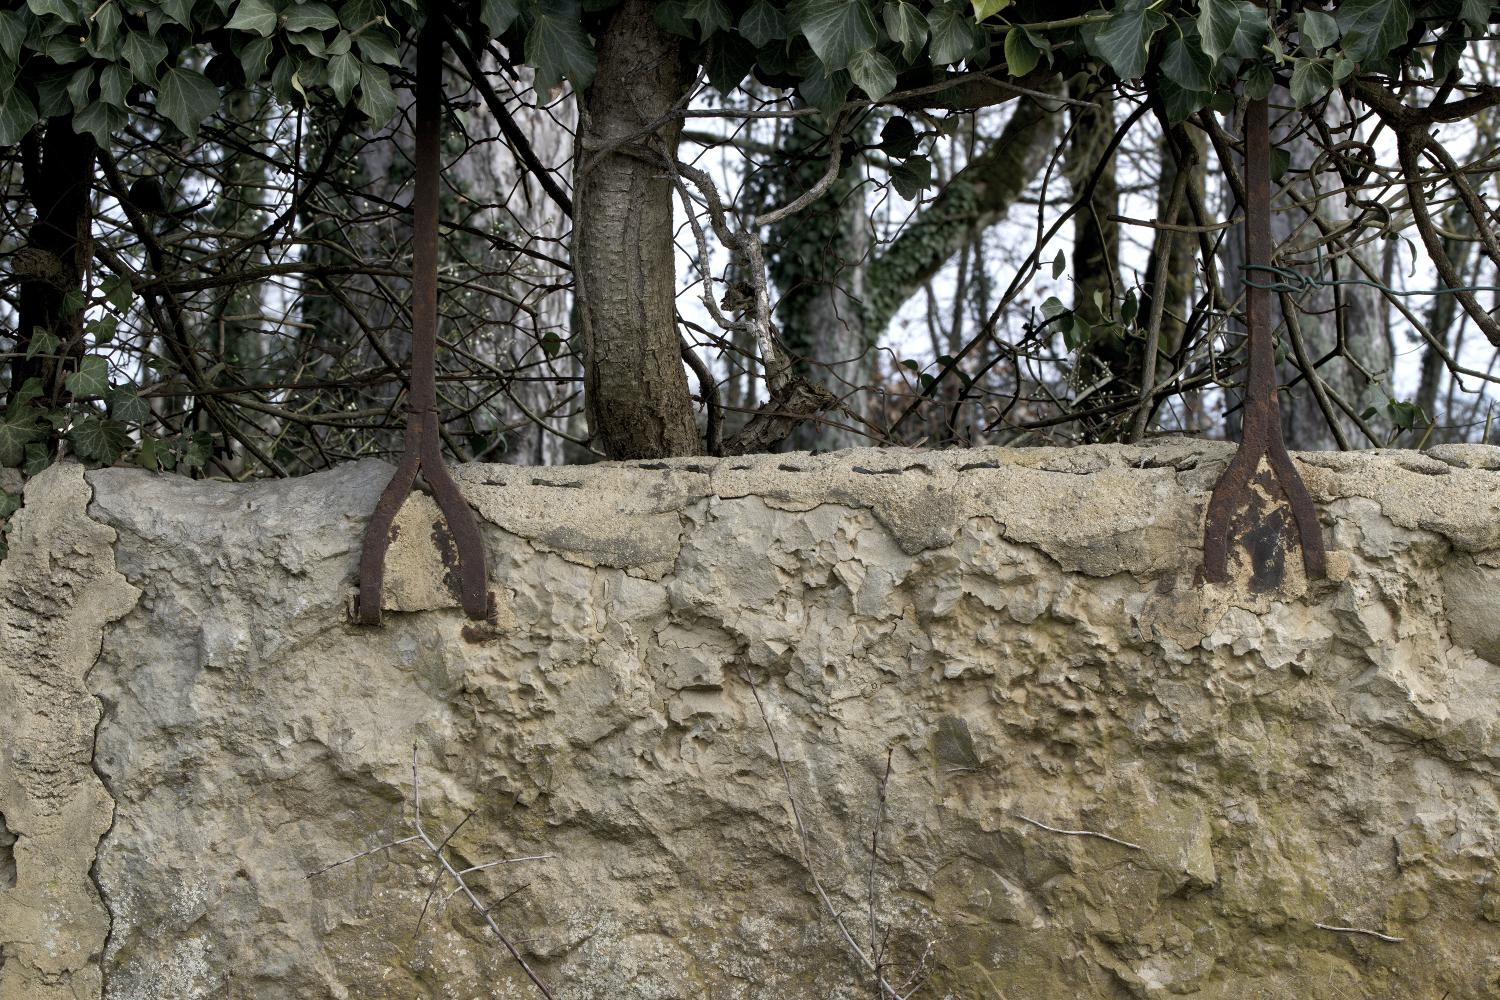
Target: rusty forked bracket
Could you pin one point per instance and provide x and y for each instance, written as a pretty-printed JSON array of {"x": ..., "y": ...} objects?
[
  {"x": 1245, "y": 503},
  {"x": 423, "y": 453}
]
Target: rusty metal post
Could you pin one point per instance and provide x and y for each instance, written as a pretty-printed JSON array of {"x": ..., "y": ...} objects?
[
  {"x": 1248, "y": 502},
  {"x": 423, "y": 452}
]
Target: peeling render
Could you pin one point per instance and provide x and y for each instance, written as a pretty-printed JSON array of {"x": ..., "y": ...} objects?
[
  {"x": 58, "y": 589},
  {"x": 1024, "y": 633}
]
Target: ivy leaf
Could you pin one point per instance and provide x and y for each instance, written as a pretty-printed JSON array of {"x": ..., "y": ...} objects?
[
  {"x": 1059, "y": 264},
  {"x": 17, "y": 116},
  {"x": 377, "y": 101},
  {"x": 254, "y": 15},
  {"x": 872, "y": 73},
  {"x": 498, "y": 15},
  {"x": 1187, "y": 65},
  {"x": 1372, "y": 28},
  {"x": 898, "y": 138},
  {"x": 989, "y": 8},
  {"x": 836, "y": 29},
  {"x": 558, "y": 48},
  {"x": 1476, "y": 14},
  {"x": 1235, "y": 28},
  {"x": 126, "y": 406},
  {"x": 144, "y": 52},
  {"x": 57, "y": 8},
  {"x": 255, "y": 55},
  {"x": 1021, "y": 53},
  {"x": 1180, "y": 102},
  {"x": 1311, "y": 81},
  {"x": 101, "y": 120},
  {"x": 912, "y": 176},
  {"x": 712, "y": 15},
  {"x": 12, "y": 33},
  {"x": 180, "y": 11},
  {"x": 954, "y": 37},
  {"x": 905, "y": 25},
  {"x": 18, "y": 428},
  {"x": 1319, "y": 31},
  {"x": 343, "y": 75},
  {"x": 186, "y": 97},
  {"x": 91, "y": 378},
  {"x": 762, "y": 24},
  {"x": 114, "y": 83},
  {"x": 99, "y": 439},
  {"x": 311, "y": 17},
  {"x": 1259, "y": 81},
  {"x": 1125, "y": 39}
]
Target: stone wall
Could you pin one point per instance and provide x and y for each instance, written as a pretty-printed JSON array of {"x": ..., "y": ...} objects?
[{"x": 1105, "y": 778}]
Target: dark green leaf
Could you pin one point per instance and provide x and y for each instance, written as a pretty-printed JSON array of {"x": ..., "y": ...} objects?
[
  {"x": 65, "y": 9},
  {"x": 1281, "y": 162},
  {"x": 762, "y": 24},
  {"x": 904, "y": 24},
  {"x": 98, "y": 439},
  {"x": 711, "y": 15},
  {"x": 912, "y": 176},
  {"x": 310, "y": 17},
  {"x": 186, "y": 97},
  {"x": 114, "y": 84},
  {"x": 1235, "y": 28},
  {"x": 378, "y": 45},
  {"x": 1319, "y": 31},
  {"x": 1259, "y": 81},
  {"x": 16, "y": 429},
  {"x": 872, "y": 73},
  {"x": 1059, "y": 264},
  {"x": 730, "y": 60},
  {"x": 1186, "y": 64},
  {"x": 17, "y": 116},
  {"x": 42, "y": 342},
  {"x": 836, "y": 29},
  {"x": 1124, "y": 41},
  {"x": 91, "y": 378},
  {"x": 1311, "y": 81},
  {"x": 377, "y": 101},
  {"x": 37, "y": 459},
  {"x": 498, "y": 15},
  {"x": 258, "y": 16},
  {"x": 343, "y": 76},
  {"x": 1372, "y": 28},
  {"x": 12, "y": 33},
  {"x": 1476, "y": 14},
  {"x": 954, "y": 37},
  {"x": 898, "y": 139},
  {"x": 126, "y": 406},
  {"x": 102, "y": 121},
  {"x": 144, "y": 52},
  {"x": 1021, "y": 54},
  {"x": 557, "y": 47},
  {"x": 180, "y": 11}
]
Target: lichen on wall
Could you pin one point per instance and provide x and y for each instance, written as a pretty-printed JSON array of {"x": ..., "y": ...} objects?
[{"x": 1106, "y": 778}]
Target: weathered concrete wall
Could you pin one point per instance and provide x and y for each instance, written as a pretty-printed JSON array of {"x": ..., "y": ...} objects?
[{"x": 1020, "y": 631}]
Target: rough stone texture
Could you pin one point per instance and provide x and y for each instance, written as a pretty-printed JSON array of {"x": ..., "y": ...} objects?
[
  {"x": 58, "y": 589},
  {"x": 1022, "y": 632}
]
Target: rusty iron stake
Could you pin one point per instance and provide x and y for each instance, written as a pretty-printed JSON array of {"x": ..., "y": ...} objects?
[
  {"x": 1247, "y": 502},
  {"x": 423, "y": 451}
]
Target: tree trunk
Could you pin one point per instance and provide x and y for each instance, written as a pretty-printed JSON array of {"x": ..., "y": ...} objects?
[
  {"x": 1441, "y": 313},
  {"x": 1109, "y": 356},
  {"x": 635, "y": 388},
  {"x": 818, "y": 265},
  {"x": 58, "y": 174}
]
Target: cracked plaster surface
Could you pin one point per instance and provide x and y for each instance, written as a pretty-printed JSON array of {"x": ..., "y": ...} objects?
[{"x": 1023, "y": 632}]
